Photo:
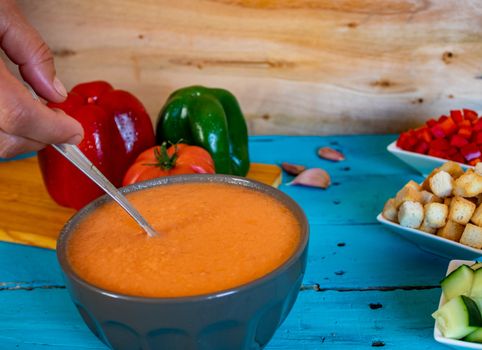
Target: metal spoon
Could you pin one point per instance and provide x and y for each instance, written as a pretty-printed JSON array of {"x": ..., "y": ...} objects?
[{"x": 76, "y": 157}]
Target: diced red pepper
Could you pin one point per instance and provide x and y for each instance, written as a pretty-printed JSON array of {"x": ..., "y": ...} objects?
[
  {"x": 457, "y": 116},
  {"x": 457, "y": 157},
  {"x": 477, "y": 126},
  {"x": 423, "y": 134},
  {"x": 437, "y": 131},
  {"x": 465, "y": 123},
  {"x": 470, "y": 114},
  {"x": 474, "y": 162},
  {"x": 450, "y": 151},
  {"x": 465, "y": 132},
  {"x": 440, "y": 144},
  {"x": 470, "y": 152},
  {"x": 477, "y": 138},
  {"x": 448, "y": 126},
  {"x": 407, "y": 140},
  {"x": 442, "y": 118},
  {"x": 458, "y": 141},
  {"x": 431, "y": 122},
  {"x": 421, "y": 147},
  {"x": 457, "y": 137},
  {"x": 436, "y": 153}
]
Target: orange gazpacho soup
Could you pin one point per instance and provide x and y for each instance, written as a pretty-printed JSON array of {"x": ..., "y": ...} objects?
[{"x": 212, "y": 237}]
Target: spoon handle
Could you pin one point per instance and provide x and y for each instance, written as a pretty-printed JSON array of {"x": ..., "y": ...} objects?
[{"x": 74, "y": 155}]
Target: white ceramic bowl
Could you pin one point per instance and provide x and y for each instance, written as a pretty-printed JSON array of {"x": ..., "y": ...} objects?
[
  {"x": 432, "y": 243},
  {"x": 422, "y": 163},
  {"x": 453, "y": 343}
]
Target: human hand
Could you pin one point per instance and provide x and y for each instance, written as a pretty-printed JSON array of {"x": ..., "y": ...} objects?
[{"x": 26, "y": 124}]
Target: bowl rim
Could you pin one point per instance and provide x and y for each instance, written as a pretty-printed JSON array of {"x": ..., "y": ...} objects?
[
  {"x": 275, "y": 193},
  {"x": 381, "y": 219}
]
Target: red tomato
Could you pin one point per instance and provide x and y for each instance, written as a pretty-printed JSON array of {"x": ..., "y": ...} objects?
[{"x": 161, "y": 161}]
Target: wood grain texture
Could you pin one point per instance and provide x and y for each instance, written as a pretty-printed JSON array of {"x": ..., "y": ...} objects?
[
  {"x": 297, "y": 66},
  {"x": 27, "y": 213}
]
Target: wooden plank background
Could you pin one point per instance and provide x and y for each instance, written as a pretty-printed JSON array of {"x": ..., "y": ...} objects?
[{"x": 297, "y": 66}]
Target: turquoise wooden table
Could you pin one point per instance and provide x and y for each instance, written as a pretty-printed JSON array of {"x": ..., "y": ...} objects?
[{"x": 364, "y": 286}]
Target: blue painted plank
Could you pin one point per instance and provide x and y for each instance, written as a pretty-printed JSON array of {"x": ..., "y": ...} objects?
[
  {"x": 365, "y": 154},
  {"x": 345, "y": 320},
  {"x": 368, "y": 256},
  {"x": 40, "y": 319},
  {"x": 356, "y": 199},
  {"x": 45, "y": 318},
  {"x": 25, "y": 266}
]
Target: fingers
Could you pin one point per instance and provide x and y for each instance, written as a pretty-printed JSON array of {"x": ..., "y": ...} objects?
[
  {"x": 25, "y": 47},
  {"x": 11, "y": 145},
  {"x": 23, "y": 117}
]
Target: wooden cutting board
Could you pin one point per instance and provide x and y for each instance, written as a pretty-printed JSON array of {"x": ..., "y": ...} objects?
[{"x": 29, "y": 216}]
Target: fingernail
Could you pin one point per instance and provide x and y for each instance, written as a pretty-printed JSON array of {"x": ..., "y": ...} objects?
[
  {"x": 59, "y": 87},
  {"x": 74, "y": 140}
]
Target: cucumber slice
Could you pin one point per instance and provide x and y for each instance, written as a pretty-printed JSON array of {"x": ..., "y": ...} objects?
[
  {"x": 476, "y": 290},
  {"x": 458, "y": 282},
  {"x": 475, "y": 336},
  {"x": 475, "y": 266},
  {"x": 458, "y": 318}
]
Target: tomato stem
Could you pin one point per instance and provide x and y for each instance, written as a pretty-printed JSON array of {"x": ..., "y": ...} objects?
[{"x": 163, "y": 160}]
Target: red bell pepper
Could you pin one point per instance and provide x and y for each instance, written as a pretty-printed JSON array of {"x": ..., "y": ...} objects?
[
  {"x": 117, "y": 129},
  {"x": 448, "y": 125},
  {"x": 437, "y": 131},
  {"x": 457, "y": 116},
  {"x": 465, "y": 132},
  {"x": 431, "y": 122},
  {"x": 477, "y": 125},
  {"x": 470, "y": 152},
  {"x": 470, "y": 114},
  {"x": 458, "y": 141},
  {"x": 424, "y": 135},
  {"x": 477, "y": 138}
]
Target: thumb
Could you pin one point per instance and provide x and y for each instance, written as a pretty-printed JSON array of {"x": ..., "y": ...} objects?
[{"x": 25, "y": 47}]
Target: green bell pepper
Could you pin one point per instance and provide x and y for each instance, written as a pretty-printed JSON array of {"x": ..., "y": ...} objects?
[{"x": 210, "y": 118}]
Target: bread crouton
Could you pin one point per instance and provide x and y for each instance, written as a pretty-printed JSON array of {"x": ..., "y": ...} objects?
[
  {"x": 461, "y": 210},
  {"x": 413, "y": 185},
  {"x": 390, "y": 211},
  {"x": 477, "y": 216},
  {"x": 451, "y": 230},
  {"x": 410, "y": 214},
  {"x": 429, "y": 197},
  {"x": 472, "y": 236},
  {"x": 441, "y": 184},
  {"x": 407, "y": 193},
  {"x": 468, "y": 185},
  {"x": 426, "y": 183},
  {"x": 447, "y": 201},
  {"x": 427, "y": 229},
  {"x": 453, "y": 168},
  {"x": 478, "y": 168},
  {"x": 435, "y": 215}
]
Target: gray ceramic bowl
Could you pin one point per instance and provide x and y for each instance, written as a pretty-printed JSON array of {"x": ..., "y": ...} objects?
[{"x": 242, "y": 318}]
